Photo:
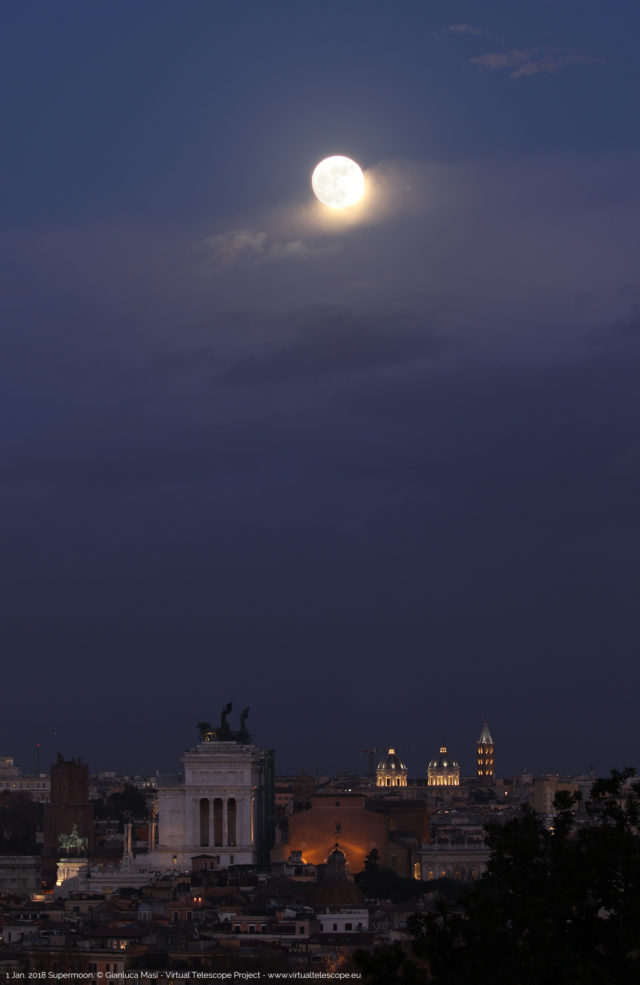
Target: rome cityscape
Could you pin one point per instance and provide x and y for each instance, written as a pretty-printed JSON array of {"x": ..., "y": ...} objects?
[
  {"x": 319, "y": 361},
  {"x": 227, "y": 868}
]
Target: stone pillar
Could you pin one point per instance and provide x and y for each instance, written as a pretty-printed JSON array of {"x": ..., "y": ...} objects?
[
  {"x": 195, "y": 822},
  {"x": 225, "y": 836}
]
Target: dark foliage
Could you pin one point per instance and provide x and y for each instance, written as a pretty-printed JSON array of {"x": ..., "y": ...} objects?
[
  {"x": 388, "y": 965},
  {"x": 20, "y": 820},
  {"x": 378, "y": 883},
  {"x": 558, "y": 905},
  {"x": 129, "y": 805}
]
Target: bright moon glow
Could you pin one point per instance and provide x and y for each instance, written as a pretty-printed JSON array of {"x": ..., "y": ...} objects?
[{"x": 338, "y": 182}]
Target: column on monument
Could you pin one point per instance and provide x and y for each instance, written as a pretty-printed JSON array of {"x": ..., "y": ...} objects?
[{"x": 225, "y": 802}]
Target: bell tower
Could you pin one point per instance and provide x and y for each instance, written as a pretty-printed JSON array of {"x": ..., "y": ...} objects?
[{"x": 485, "y": 745}]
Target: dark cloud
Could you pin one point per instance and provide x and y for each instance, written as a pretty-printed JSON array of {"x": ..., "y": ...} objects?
[
  {"x": 334, "y": 339},
  {"x": 629, "y": 329},
  {"x": 467, "y": 29},
  {"x": 622, "y": 333},
  {"x": 540, "y": 60}
]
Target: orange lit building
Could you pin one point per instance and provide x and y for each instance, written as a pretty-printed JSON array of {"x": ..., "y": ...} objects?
[{"x": 359, "y": 824}]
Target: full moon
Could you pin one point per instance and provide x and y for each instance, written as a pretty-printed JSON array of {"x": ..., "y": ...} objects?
[{"x": 338, "y": 182}]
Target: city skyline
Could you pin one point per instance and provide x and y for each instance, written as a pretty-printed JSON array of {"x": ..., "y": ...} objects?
[
  {"x": 416, "y": 756},
  {"x": 373, "y": 474}
]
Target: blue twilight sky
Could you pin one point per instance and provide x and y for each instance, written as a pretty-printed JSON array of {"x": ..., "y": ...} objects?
[{"x": 375, "y": 475}]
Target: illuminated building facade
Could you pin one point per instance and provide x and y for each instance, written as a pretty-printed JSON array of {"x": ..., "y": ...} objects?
[
  {"x": 443, "y": 771},
  {"x": 486, "y": 761},
  {"x": 395, "y": 828},
  {"x": 391, "y": 771},
  {"x": 222, "y": 807}
]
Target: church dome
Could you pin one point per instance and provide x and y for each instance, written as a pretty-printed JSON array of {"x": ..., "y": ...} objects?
[
  {"x": 337, "y": 857},
  {"x": 391, "y": 771},
  {"x": 391, "y": 762},
  {"x": 443, "y": 761}
]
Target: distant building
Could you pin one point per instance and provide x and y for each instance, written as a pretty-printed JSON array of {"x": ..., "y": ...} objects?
[
  {"x": 303, "y": 789},
  {"x": 443, "y": 771},
  {"x": 450, "y": 861},
  {"x": 20, "y": 874},
  {"x": 545, "y": 788},
  {"x": 284, "y": 799},
  {"x": 486, "y": 754},
  {"x": 8, "y": 768},
  {"x": 391, "y": 771},
  {"x": 36, "y": 787},
  {"x": 221, "y": 806},
  {"x": 68, "y": 807}
]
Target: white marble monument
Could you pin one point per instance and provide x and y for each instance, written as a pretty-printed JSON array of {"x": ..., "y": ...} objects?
[{"x": 219, "y": 808}]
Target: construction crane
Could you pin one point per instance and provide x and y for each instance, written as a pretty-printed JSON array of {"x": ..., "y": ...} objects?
[{"x": 372, "y": 753}]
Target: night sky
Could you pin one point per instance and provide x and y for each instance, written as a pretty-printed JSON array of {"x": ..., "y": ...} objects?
[{"x": 376, "y": 476}]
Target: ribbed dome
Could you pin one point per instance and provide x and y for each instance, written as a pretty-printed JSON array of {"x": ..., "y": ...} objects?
[
  {"x": 391, "y": 762},
  {"x": 443, "y": 761},
  {"x": 337, "y": 857}
]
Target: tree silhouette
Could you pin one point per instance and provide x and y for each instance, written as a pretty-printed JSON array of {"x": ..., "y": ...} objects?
[{"x": 558, "y": 905}]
